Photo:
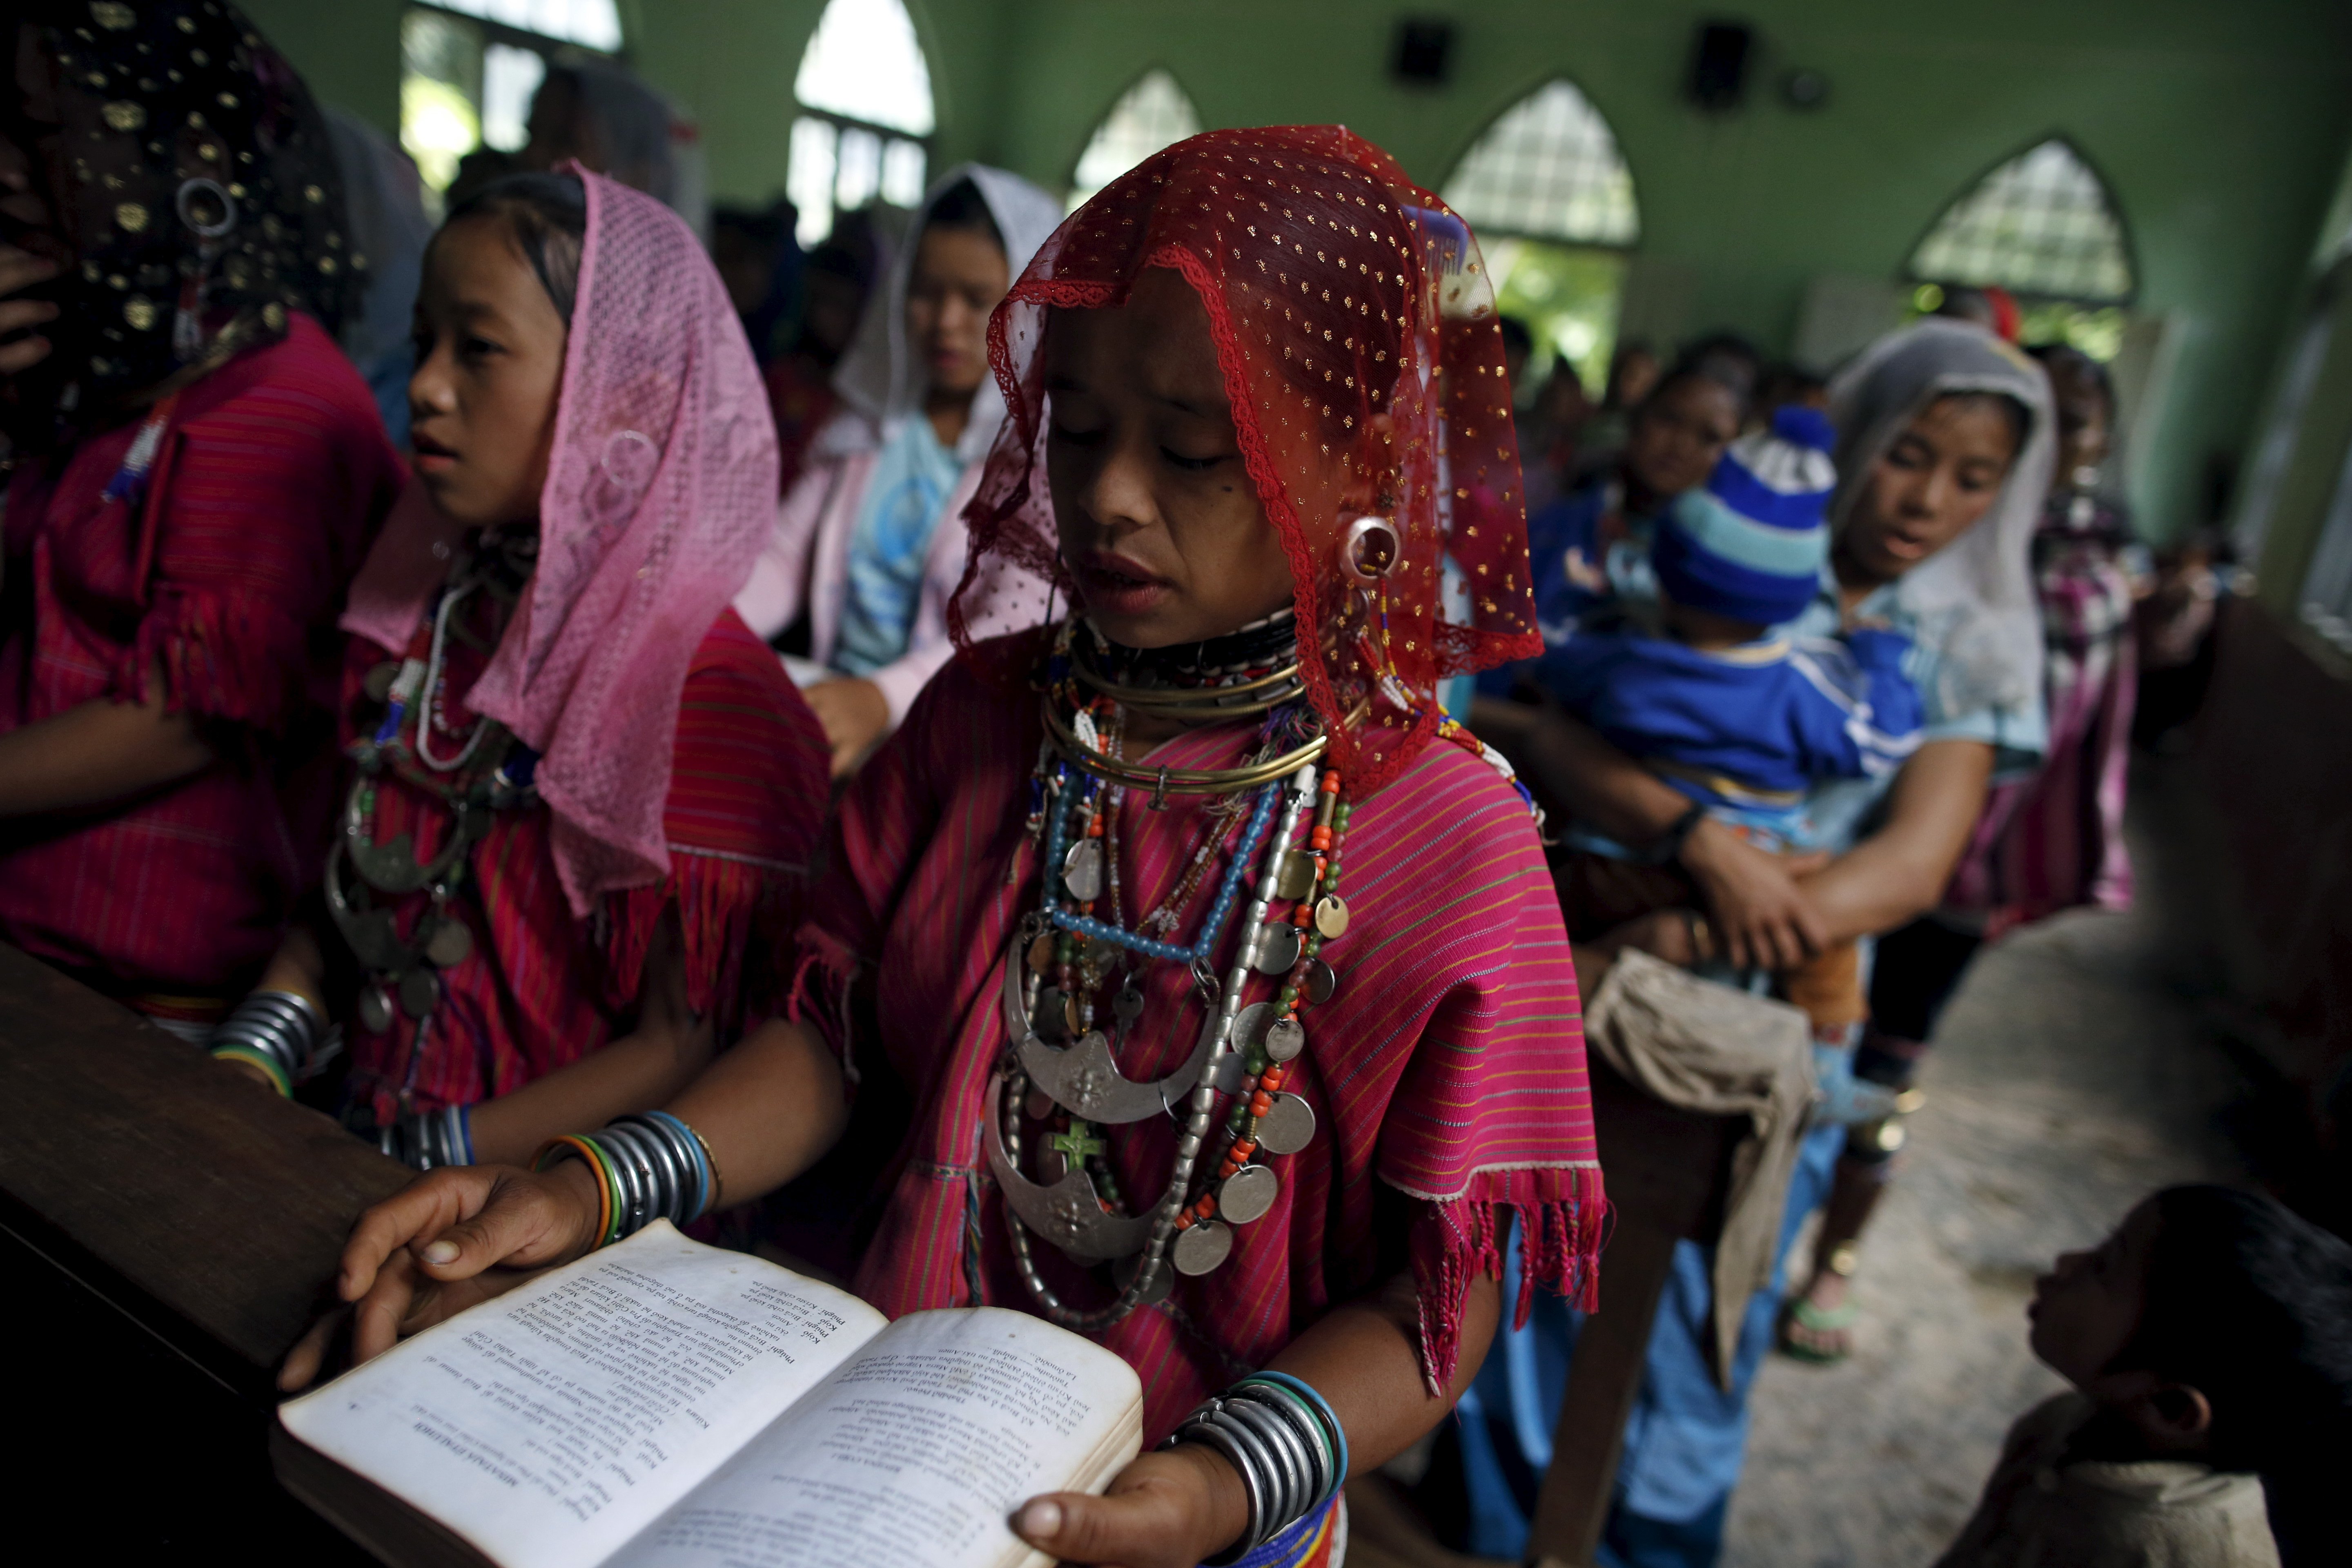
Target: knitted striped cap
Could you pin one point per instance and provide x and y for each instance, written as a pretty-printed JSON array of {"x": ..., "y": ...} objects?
[{"x": 1750, "y": 544}]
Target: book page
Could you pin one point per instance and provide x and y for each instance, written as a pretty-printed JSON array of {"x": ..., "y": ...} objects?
[
  {"x": 550, "y": 1425},
  {"x": 915, "y": 1452}
]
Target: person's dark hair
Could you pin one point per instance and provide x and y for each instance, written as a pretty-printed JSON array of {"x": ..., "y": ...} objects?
[
  {"x": 1713, "y": 370},
  {"x": 2019, "y": 417},
  {"x": 761, "y": 225},
  {"x": 2251, "y": 1305},
  {"x": 1789, "y": 383},
  {"x": 1962, "y": 303},
  {"x": 1517, "y": 338},
  {"x": 2065, "y": 359},
  {"x": 548, "y": 216},
  {"x": 1726, "y": 357},
  {"x": 961, "y": 205}
]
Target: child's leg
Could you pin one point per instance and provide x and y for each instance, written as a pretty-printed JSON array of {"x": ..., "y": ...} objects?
[
  {"x": 1827, "y": 988},
  {"x": 1598, "y": 893}
]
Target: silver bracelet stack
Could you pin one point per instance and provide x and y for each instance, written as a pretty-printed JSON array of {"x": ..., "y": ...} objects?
[
  {"x": 663, "y": 1169},
  {"x": 1284, "y": 1439},
  {"x": 430, "y": 1139},
  {"x": 277, "y": 1031}
]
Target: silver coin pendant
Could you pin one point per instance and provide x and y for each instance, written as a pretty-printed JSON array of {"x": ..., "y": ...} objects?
[
  {"x": 1284, "y": 1039},
  {"x": 1203, "y": 1247},
  {"x": 1082, "y": 869},
  {"x": 1322, "y": 980},
  {"x": 1295, "y": 879},
  {"x": 1288, "y": 1126},
  {"x": 375, "y": 1009},
  {"x": 1247, "y": 1194},
  {"x": 1277, "y": 948},
  {"x": 451, "y": 943},
  {"x": 420, "y": 990},
  {"x": 1249, "y": 1026}
]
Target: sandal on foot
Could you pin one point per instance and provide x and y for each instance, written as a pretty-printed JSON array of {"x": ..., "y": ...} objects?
[{"x": 1801, "y": 1311}]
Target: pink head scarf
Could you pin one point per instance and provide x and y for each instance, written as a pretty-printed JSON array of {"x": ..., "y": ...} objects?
[{"x": 661, "y": 488}]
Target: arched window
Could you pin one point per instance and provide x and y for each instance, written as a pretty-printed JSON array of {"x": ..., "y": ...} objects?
[
  {"x": 470, "y": 67},
  {"x": 1548, "y": 169},
  {"x": 1152, "y": 114},
  {"x": 1551, "y": 201},
  {"x": 2041, "y": 224},
  {"x": 864, "y": 91}
]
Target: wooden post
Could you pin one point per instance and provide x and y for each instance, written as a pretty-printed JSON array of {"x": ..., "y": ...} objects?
[{"x": 1667, "y": 1172}]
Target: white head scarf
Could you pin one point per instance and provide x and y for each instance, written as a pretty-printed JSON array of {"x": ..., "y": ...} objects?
[
  {"x": 878, "y": 377},
  {"x": 1973, "y": 599}
]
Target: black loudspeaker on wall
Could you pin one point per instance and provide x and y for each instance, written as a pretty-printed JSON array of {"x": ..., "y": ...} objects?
[
  {"x": 1718, "y": 74},
  {"x": 1423, "y": 48}
]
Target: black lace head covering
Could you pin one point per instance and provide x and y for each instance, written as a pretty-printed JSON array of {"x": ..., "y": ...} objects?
[{"x": 191, "y": 178}]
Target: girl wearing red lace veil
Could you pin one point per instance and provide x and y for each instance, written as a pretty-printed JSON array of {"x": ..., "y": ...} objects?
[
  {"x": 581, "y": 791},
  {"x": 1216, "y": 990}
]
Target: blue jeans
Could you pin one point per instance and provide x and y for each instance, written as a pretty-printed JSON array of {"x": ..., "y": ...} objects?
[{"x": 1687, "y": 1437}]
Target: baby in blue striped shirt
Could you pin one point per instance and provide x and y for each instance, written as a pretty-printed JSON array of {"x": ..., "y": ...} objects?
[{"x": 1744, "y": 722}]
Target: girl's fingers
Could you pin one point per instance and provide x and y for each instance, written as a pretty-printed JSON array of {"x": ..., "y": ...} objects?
[
  {"x": 23, "y": 355},
  {"x": 16, "y": 315},
  {"x": 391, "y": 1303},
  {"x": 520, "y": 1225},
  {"x": 310, "y": 1352},
  {"x": 425, "y": 1208},
  {"x": 1134, "y": 1529},
  {"x": 22, "y": 269},
  {"x": 1167, "y": 1510}
]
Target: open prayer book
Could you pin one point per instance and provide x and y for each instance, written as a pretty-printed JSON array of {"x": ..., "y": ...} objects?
[{"x": 662, "y": 1402}]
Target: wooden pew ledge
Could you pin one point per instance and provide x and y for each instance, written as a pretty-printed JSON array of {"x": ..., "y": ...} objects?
[{"x": 205, "y": 1207}]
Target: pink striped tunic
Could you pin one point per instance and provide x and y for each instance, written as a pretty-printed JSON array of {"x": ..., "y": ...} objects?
[
  {"x": 1448, "y": 1067},
  {"x": 2055, "y": 840}
]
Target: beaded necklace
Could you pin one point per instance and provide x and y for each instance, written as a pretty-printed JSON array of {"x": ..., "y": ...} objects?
[
  {"x": 1077, "y": 1088},
  {"x": 491, "y": 772}
]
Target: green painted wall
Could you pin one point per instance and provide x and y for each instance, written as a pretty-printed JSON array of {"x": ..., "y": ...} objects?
[
  {"x": 348, "y": 50},
  {"x": 2219, "y": 128}
]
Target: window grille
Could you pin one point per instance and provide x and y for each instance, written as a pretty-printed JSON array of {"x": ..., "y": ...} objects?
[
  {"x": 865, "y": 90},
  {"x": 469, "y": 69},
  {"x": 2041, "y": 224},
  {"x": 594, "y": 24},
  {"x": 1548, "y": 169},
  {"x": 1152, "y": 114}
]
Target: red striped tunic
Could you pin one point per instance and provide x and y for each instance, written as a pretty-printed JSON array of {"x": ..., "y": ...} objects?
[
  {"x": 227, "y": 574},
  {"x": 747, "y": 800},
  {"x": 1449, "y": 1065}
]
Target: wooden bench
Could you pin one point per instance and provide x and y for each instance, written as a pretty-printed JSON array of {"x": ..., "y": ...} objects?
[{"x": 167, "y": 1225}]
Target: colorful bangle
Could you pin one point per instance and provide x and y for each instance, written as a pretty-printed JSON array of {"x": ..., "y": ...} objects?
[
  {"x": 267, "y": 1062},
  {"x": 1335, "y": 1435},
  {"x": 693, "y": 1145},
  {"x": 1283, "y": 1439},
  {"x": 571, "y": 1144}
]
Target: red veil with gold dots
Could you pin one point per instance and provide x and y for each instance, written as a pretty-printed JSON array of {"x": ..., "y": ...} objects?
[{"x": 1356, "y": 328}]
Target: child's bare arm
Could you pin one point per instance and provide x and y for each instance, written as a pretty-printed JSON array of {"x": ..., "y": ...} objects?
[{"x": 99, "y": 752}]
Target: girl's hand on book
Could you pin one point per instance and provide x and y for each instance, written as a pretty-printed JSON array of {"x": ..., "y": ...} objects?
[
  {"x": 1168, "y": 1510},
  {"x": 450, "y": 1239}
]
